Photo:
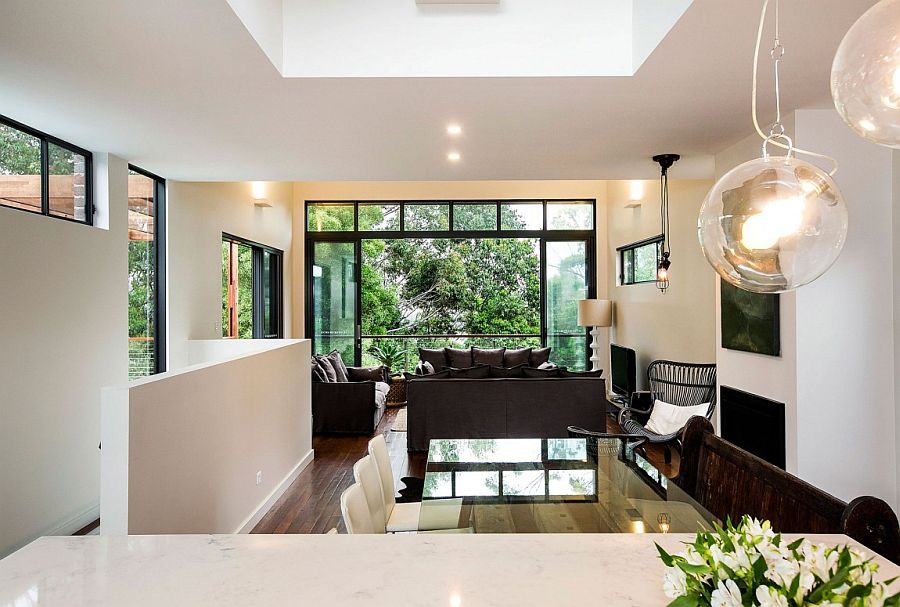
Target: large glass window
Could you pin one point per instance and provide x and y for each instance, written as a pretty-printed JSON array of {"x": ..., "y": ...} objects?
[
  {"x": 638, "y": 261},
  {"x": 42, "y": 174},
  {"x": 146, "y": 208},
  {"x": 251, "y": 290},
  {"x": 389, "y": 287}
]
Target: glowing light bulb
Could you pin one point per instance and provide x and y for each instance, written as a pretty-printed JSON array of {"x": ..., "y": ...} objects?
[{"x": 757, "y": 233}]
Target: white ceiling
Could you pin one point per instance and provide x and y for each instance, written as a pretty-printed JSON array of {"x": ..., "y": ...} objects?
[{"x": 182, "y": 89}]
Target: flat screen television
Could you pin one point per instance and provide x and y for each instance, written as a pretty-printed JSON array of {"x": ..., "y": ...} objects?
[{"x": 623, "y": 370}]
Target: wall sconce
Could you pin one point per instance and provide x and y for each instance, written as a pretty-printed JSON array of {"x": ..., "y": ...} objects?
[
  {"x": 635, "y": 194},
  {"x": 259, "y": 194},
  {"x": 665, "y": 522}
]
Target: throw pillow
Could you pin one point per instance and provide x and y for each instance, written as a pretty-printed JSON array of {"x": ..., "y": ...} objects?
[
  {"x": 424, "y": 368},
  {"x": 327, "y": 368},
  {"x": 539, "y": 356},
  {"x": 503, "y": 372},
  {"x": 365, "y": 374},
  {"x": 515, "y": 358},
  {"x": 547, "y": 365},
  {"x": 458, "y": 358},
  {"x": 318, "y": 375},
  {"x": 340, "y": 369},
  {"x": 437, "y": 357},
  {"x": 532, "y": 372},
  {"x": 476, "y": 372},
  {"x": 445, "y": 374},
  {"x": 563, "y": 372},
  {"x": 492, "y": 357},
  {"x": 667, "y": 418}
]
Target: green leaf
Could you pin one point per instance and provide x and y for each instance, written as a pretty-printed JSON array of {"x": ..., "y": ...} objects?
[
  {"x": 795, "y": 544},
  {"x": 858, "y": 592},
  {"x": 686, "y": 600},
  {"x": 693, "y": 569},
  {"x": 665, "y": 556}
]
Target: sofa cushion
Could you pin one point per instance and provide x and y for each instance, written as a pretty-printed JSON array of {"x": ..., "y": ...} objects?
[
  {"x": 476, "y": 372},
  {"x": 503, "y": 372},
  {"x": 382, "y": 387},
  {"x": 424, "y": 368},
  {"x": 515, "y": 358},
  {"x": 532, "y": 372},
  {"x": 492, "y": 357},
  {"x": 327, "y": 368},
  {"x": 318, "y": 374},
  {"x": 445, "y": 374},
  {"x": 563, "y": 372},
  {"x": 539, "y": 356},
  {"x": 340, "y": 369},
  {"x": 437, "y": 357},
  {"x": 365, "y": 373},
  {"x": 458, "y": 358}
]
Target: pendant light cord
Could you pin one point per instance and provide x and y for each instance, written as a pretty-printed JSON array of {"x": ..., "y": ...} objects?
[
  {"x": 777, "y": 53},
  {"x": 664, "y": 210}
]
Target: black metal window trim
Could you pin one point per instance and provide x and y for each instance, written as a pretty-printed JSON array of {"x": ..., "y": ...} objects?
[
  {"x": 356, "y": 236},
  {"x": 159, "y": 258},
  {"x": 46, "y": 140},
  {"x": 630, "y": 248},
  {"x": 277, "y": 285}
]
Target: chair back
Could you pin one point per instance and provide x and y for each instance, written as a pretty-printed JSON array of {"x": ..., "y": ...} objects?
[
  {"x": 366, "y": 474},
  {"x": 379, "y": 452},
  {"x": 355, "y": 510},
  {"x": 683, "y": 384}
]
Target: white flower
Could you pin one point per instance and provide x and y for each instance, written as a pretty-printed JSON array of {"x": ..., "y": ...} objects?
[
  {"x": 674, "y": 583},
  {"x": 769, "y": 597},
  {"x": 820, "y": 559},
  {"x": 726, "y": 594},
  {"x": 692, "y": 556},
  {"x": 783, "y": 571},
  {"x": 757, "y": 530}
]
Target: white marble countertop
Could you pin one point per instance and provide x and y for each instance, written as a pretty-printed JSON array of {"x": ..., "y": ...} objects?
[{"x": 334, "y": 570}]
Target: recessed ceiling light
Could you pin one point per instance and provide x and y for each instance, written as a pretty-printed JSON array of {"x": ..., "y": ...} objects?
[
  {"x": 453, "y": 156},
  {"x": 454, "y": 129}
]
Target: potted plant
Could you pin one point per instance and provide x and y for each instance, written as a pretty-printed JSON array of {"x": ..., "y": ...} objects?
[{"x": 391, "y": 354}]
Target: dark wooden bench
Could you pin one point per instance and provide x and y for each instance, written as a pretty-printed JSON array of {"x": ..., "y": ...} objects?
[{"x": 730, "y": 482}]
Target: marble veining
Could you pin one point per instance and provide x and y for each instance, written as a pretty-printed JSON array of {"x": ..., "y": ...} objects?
[{"x": 614, "y": 570}]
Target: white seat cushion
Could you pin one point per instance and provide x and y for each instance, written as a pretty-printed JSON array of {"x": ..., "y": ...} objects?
[
  {"x": 667, "y": 418},
  {"x": 405, "y": 516},
  {"x": 382, "y": 387}
]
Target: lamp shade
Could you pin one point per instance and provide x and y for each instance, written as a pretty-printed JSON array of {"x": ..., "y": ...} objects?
[{"x": 594, "y": 313}]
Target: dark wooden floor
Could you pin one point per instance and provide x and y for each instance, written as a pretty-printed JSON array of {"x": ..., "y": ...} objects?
[{"x": 312, "y": 502}]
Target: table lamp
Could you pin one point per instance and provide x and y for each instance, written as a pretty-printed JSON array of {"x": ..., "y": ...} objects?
[{"x": 595, "y": 313}]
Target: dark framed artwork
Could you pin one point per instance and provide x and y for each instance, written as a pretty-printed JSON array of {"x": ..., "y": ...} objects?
[{"x": 750, "y": 321}]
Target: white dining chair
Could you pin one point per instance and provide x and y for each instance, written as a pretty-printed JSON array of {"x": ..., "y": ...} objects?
[
  {"x": 355, "y": 510},
  {"x": 404, "y": 516},
  {"x": 365, "y": 472}
]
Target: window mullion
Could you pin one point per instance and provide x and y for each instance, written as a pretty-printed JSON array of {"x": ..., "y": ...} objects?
[{"x": 45, "y": 177}]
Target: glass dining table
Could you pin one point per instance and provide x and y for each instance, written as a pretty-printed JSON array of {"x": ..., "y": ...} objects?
[{"x": 554, "y": 485}]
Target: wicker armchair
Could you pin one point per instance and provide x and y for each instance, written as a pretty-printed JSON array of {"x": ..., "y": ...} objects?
[{"x": 681, "y": 384}]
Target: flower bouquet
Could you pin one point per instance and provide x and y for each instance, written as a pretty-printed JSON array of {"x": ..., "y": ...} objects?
[{"x": 749, "y": 565}]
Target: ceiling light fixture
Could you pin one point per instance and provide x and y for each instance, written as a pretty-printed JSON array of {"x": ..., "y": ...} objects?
[
  {"x": 665, "y": 161},
  {"x": 454, "y": 157},
  {"x": 865, "y": 75},
  {"x": 774, "y": 223},
  {"x": 454, "y": 129}
]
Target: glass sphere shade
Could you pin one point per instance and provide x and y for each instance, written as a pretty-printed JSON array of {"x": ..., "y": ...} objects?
[
  {"x": 773, "y": 224},
  {"x": 865, "y": 75}
]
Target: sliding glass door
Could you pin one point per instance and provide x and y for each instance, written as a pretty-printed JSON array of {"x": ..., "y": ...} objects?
[
  {"x": 567, "y": 270},
  {"x": 333, "y": 284}
]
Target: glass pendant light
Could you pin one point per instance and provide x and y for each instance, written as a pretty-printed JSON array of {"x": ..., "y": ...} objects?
[
  {"x": 865, "y": 76},
  {"x": 665, "y": 161},
  {"x": 774, "y": 223}
]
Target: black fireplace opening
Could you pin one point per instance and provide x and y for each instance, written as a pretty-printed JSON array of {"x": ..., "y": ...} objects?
[{"x": 753, "y": 423}]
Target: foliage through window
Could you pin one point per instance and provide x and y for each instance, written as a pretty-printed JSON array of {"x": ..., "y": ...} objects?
[
  {"x": 146, "y": 207},
  {"x": 428, "y": 282},
  {"x": 251, "y": 290},
  {"x": 638, "y": 261},
  {"x": 42, "y": 174}
]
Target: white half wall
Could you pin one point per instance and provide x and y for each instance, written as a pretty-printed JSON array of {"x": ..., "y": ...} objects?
[
  {"x": 680, "y": 323},
  {"x": 182, "y": 449},
  {"x": 63, "y": 318},
  {"x": 198, "y": 214}
]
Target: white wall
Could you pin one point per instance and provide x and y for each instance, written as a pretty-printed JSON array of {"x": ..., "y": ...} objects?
[
  {"x": 63, "y": 321},
  {"x": 198, "y": 214},
  {"x": 836, "y": 374},
  {"x": 182, "y": 449},
  {"x": 680, "y": 323},
  {"x": 446, "y": 190}
]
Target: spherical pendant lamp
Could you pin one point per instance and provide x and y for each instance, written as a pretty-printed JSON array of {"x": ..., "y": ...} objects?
[
  {"x": 865, "y": 75},
  {"x": 773, "y": 224}
]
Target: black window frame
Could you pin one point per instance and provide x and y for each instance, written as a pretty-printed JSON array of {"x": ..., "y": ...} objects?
[
  {"x": 544, "y": 235},
  {"x": 630, "y": 248},
  {"x": 277, "y": 282},
  {"x": 159, "y": 258},
  {"x": 46, "y": 140}
]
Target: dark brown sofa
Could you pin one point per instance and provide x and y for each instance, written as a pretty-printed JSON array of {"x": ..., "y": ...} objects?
[
  {"x": 730, "y": 482},
  {"x": 502, "y": 407}
]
